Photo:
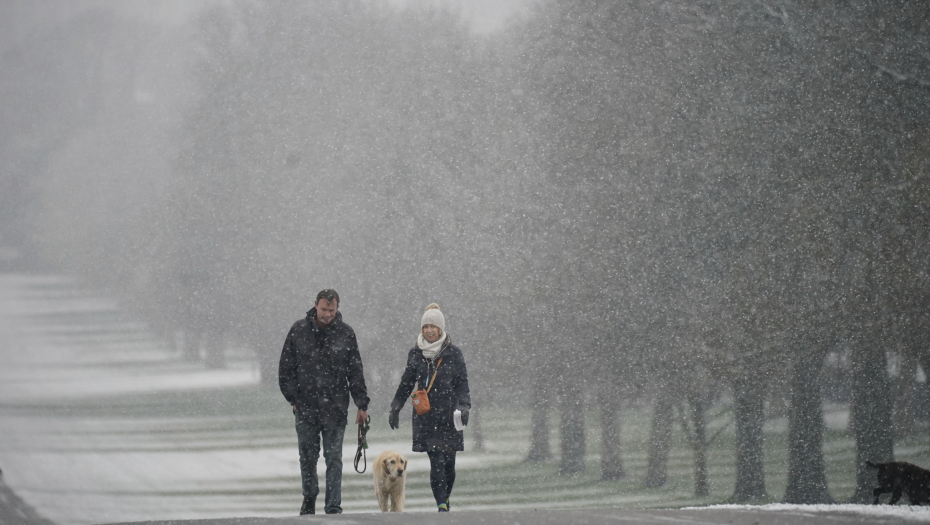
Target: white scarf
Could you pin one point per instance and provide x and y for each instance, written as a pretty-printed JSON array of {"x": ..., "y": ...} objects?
[{"x": 430, "y": 350}]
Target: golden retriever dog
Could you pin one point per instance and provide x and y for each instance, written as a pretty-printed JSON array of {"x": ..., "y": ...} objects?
[{"x": 390, "y": 470}]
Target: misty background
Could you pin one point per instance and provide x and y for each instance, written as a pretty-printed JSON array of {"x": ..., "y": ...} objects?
[{"x": 658, "y": 203}]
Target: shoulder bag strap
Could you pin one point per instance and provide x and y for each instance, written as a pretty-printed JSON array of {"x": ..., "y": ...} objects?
[{"x": 430, "y": 387}]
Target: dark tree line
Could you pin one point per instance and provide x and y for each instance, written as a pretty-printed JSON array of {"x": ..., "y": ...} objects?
[{"x": 764, "y": 155}]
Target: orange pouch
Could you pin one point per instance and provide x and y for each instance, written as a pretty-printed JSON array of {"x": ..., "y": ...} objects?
[{"x": 419, "y": 398}]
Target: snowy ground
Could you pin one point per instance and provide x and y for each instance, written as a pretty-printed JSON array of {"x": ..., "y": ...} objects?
[
  {"x": 824, "y": 512},
  {"x": 101, "y": 422},
  {"x": 730, "y": 515}
]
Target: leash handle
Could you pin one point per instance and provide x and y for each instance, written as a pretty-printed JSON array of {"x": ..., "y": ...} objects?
[{"x": 360, "y": 455}]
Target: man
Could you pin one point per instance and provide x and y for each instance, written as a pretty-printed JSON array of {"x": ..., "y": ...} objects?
[{"x": 320, "y": 365}]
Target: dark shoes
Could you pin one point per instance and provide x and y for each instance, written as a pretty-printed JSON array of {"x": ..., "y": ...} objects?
[{"x": 309, "y": 506}]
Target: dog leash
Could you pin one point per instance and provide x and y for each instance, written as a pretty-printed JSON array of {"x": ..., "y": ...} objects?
[{"x": 362, "y": 445}]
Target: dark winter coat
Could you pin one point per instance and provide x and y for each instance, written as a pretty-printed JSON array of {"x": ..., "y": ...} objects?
[
  {"x": 319, "y": 368},
  {"x": 435, "y": 430}
]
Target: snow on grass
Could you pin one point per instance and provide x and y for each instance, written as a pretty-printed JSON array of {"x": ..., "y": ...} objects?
[
  {"x": 904, "y": 512},
  {"x": 60, "y": 342},
  {"x": 102, "y": 422},
  {"x": 51, "y": 382}
]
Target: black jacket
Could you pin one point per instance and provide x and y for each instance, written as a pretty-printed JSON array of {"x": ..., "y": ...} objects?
[
  {"x": 319, "y": 368},
  {"x": 435, "y": 430}
]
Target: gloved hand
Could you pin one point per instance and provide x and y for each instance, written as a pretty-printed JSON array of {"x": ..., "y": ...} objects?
[
  {"x": 464, "y": 411},
  {"x": 394, "y": 419}
]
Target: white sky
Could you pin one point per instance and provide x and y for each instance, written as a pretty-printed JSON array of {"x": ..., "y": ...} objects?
[
  {"x": 486, "y": 15},
  {"x": 20, "y": 18}
]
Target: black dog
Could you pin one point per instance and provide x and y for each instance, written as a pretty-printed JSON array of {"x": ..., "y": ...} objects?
[{"x": 899, "y": 478}]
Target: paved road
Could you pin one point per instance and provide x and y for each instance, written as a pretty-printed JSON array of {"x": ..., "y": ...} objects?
[
  {"x": 589, "y": 517},
  {"x": 15, "y": 511}
]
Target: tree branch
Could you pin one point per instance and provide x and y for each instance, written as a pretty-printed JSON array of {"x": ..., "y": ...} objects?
[
  {"x": 900, "y": 77},
  {"x": 783, "y": 16}
]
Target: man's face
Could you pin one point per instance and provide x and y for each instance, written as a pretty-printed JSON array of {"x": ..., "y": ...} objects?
[{"x": 325, "y": 311}]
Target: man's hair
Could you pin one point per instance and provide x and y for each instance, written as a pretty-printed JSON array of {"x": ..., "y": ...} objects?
[{"x": 329, "y": 294}]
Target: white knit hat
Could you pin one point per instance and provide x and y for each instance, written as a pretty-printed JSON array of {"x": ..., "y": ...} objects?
[{"x": 433, "y": 316}]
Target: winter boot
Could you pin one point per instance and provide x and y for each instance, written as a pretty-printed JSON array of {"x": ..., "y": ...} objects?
[
  {"x": 443, "y": 507},
  {"x": 309, "y": 506}
]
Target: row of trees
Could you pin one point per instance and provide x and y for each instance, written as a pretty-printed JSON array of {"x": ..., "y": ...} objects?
[
  {"x": 741, "y": 172},
  {"x": 653, "y": 200}
]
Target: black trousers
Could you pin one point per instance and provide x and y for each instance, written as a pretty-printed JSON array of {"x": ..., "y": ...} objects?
[
  {"x": 441, "y": 474},
  {"x": 308, "y": 444}
]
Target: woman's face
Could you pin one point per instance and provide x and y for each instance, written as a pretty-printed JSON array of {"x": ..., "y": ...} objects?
[{"x": 431, "y": 333}]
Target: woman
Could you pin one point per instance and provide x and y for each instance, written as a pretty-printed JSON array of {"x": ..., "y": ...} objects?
[{"x": 437, "y": 365}]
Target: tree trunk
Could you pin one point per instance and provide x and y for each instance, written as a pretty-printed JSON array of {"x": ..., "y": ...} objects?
[
  {"x": 215, "y": 351},
  {"x": 904, "y": 408},
  {"x": 539, "y": 439},
  {"x": 873, "y": 406},
  {"x": 611, "y": 460},
  {"x": 171, "y": 340},
  {"x": 573, "y": 438},
  {"x": 807, "y": 479},
  {"x": 660, "y": 441},
  {"x": 923, "y": 359},
  {"x": 750, "y": 416},
  {"x": 268, "y": 366},
  {"x": 191, "y": 348},
  {"x": 699, "y": 444}
]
